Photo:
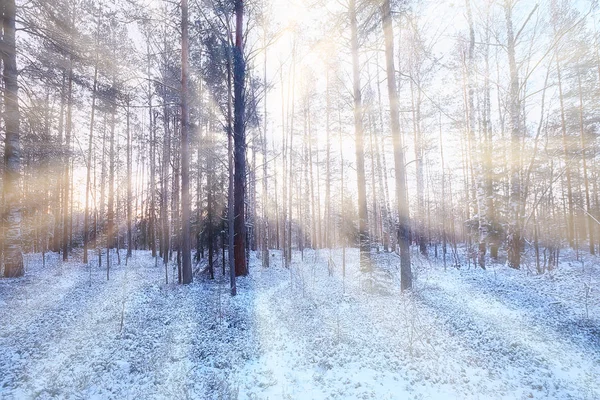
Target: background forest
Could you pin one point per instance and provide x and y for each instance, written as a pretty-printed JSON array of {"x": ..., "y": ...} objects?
[{"x": 307, "y": 125}]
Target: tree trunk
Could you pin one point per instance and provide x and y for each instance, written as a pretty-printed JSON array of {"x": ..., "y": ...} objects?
[
  {"x": 129, "y": 190},
  {"x": 86, "y": 218},
  {"x": 514, "y": 229},
  {"x": 110, "y": 214},
  {"x": 265, "y": 211},
  {"x": 186, "y": 253},
  {"x": 210, "y": 229},
  {"x": 164, "y": 204},
  {"x": 67, "y": 157},
  {"x": 13, "y": 256},
  {"x": 327, "y": 241},
  {"x": 58, "y": 193},
  {"x": 150, "y": 231},
  {"x": 363, "y": 222},
  {"x": 239, "y": 137},
  {"x": 230, "y": 191},
  {"x": 401, "y": 195},
  {"x": 590, "y": 222}
]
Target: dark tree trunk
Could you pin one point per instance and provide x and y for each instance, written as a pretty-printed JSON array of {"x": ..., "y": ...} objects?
[
  {"x": 230, "y": 191},
  {"x": 186, "y": 254},
  {"x": 239, "y": 137}
]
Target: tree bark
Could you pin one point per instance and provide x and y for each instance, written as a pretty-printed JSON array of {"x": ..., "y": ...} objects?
[
  {"x": 230, "y": 191},
  {"x": 401, "y": 195},
  {"x": 129, "y": 190},
  {"x": 186, "y": 254},
  {"x": 13, "y": 256},
  {"x": 110, "y": 214},
  {"x": 164, "y": 204},
  {"x": 265, "y": 211},
  {"x": 67, "y": 157},
  {"x": 86, "y": 218},
  {"x": 363, "y": 222},
  {"x": 590, "y": 222},
  {"x": 239, "y": 138},
  {"x": 58, "y": 171},
  {"x": 514, "y": 229}
]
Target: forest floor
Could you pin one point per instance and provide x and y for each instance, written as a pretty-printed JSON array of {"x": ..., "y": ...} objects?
[{"x": 306, "y": 332}]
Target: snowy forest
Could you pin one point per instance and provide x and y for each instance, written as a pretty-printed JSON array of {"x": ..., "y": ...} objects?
[{"x": 303, "y": 199}]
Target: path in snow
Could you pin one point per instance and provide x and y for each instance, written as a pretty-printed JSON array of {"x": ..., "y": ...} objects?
[{"x": 300, "y": 333}]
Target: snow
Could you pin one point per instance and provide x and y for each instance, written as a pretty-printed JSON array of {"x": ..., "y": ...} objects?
[{"x": 301, "y": 333}]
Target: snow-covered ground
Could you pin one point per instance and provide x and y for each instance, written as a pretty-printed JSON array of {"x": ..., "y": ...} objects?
[{"x": 301, "y": 333}]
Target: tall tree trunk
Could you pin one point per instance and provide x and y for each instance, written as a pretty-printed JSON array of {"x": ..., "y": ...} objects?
[
  {"x": 239, "y": 137},
  {"x": 514, "y": 229},
  {"x": 363, "y": 222},
  {"x": 487, "y": 162},
  {"x": 343, "y": 233},
  {"x": 284, "y": 151},
  {"x": 164, "y": 204},
  {"x": 443, "y": 199},
  {"x": 590, "y": 222},
  {"x": 88, "y": 181},
  {"x": 46, "y": 184},
  {"x": 129, "y": 190},
  {"x": 265, "y": 211},
  {"x": 401, "y": 195},
  {"x": 251, "y": 207},
  {"x": 230, "y": 191},
  {"x": 58, "y": 193},
  {"x": 319, "y": 219},
  {"x": 313, "y": 204},
  {"x": 570, "y": 220},
  {"x": 110, "y": 214},
  {"x": 327, "y": 241},
  {"x": 382, "y": 169},
  {"x": 67, "y": 158},
  {"x": 103, "y": 173},
  {"x": 13, "y": 256},
  {"x": 480, "y": 180},
  {"x": 151, "y": 229},
  {"x": 375, "y": 220},
  {"x": 186, "y": 253},
  {"x": 210, "y": 229},
  {"x": 290, "y": 171},
  {"x": 199, "y": 232},
  {"x": 176, "y": 201}
]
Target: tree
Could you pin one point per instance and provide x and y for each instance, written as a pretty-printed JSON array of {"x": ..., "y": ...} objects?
[
  {"x": 363, "y": 222},
  {"x": 185, "y": 157},
  {"x": 13, "y": 256},
  {"x": 239, "y": 138},
  {"x": 514, "y": 110},
  {"x": 401, "y": 198},
  {"x": 88, "y": 182}
]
